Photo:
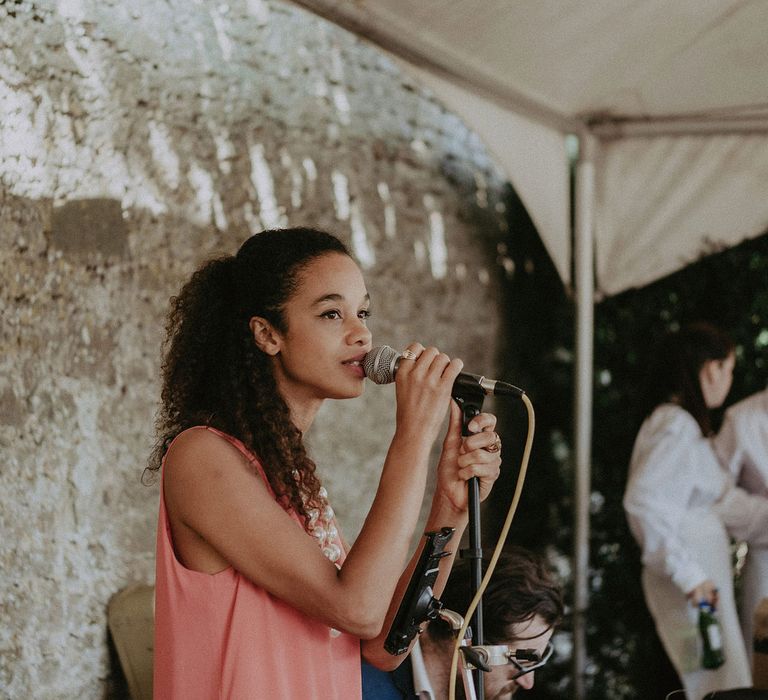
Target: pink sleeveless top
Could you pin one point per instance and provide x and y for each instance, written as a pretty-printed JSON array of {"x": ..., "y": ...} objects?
[{"x": 221, "y": 637}]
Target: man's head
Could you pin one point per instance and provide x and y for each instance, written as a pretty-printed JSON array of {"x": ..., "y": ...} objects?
[{"x": 521, "y": 606}]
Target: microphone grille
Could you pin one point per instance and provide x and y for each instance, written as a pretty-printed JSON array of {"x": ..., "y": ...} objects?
[{"x": 380, "y": 363}]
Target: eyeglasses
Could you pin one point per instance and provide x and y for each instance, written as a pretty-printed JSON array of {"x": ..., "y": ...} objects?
[
  {"x": 524, "y": 660},
  {"x": 528, "y": 660}
]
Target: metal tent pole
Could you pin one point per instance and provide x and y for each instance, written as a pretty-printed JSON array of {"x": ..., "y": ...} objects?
[{"x": 584, "y": 201}]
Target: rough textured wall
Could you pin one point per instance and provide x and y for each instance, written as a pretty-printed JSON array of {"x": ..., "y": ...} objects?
[{"x": 136, "y": 140}]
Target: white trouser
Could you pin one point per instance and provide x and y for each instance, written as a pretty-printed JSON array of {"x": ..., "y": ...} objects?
[{"x": 676, "y": 618}]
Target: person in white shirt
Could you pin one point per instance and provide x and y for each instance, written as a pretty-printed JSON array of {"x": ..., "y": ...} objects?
[
  {"x": 742, "y": 446},
  {"x": 682, "y": 507}
]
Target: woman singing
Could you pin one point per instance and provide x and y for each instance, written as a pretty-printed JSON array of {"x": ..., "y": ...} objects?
[{"x": 256, "y": 594}]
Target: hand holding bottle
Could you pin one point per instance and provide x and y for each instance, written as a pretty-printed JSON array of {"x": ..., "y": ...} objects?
[{"x": 706, "y": 592}]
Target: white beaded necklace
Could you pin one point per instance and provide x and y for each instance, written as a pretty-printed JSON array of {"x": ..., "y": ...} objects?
[{"x": 320, "y": 524}]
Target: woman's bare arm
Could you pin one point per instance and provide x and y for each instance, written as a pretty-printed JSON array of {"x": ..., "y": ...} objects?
[{"x": 219, "y": 506}]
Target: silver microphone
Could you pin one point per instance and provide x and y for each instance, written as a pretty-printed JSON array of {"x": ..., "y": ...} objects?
[{"x": 381, "y": 363}]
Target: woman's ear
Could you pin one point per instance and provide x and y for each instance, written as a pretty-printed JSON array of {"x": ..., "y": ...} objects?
[
  {"x": 708, "y": 381},
  {"x": 265, "y": 336},
  {"x": 708, "y": 371},
  {"x": 705, "y": 373}
]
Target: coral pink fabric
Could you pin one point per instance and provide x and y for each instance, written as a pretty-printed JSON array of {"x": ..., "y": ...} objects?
[{"x": 220, "y": 636}]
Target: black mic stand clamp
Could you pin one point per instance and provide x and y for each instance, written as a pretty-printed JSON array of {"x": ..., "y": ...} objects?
[{"x": 418, "y": 604}]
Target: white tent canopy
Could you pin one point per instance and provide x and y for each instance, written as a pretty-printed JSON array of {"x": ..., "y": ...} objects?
[
  {"x": 670, "y": 104},
  {"x": 638, "y": 74}
]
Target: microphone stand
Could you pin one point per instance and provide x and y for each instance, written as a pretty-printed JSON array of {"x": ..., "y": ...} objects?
[
  {"x": 418, "y": 604},
  {"x": 471, "y": 402}
]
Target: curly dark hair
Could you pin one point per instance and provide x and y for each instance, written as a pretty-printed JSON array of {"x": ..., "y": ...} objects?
[
  {"x": 521, "y": 588},
  {"x": 213, "y": 372},
  {"x": 674, "y": 374}
]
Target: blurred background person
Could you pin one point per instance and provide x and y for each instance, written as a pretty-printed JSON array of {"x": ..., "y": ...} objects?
[{"x": 681, "y": 506}]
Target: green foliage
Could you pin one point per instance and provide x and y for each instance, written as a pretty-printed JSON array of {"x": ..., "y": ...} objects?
[{"x": 728, "y": 288}]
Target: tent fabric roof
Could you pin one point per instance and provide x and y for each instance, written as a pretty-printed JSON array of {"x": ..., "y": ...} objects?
[{"x": 677, "y": 93}]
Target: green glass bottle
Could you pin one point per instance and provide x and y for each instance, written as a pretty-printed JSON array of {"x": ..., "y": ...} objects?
[{"x": 712, "y": 655}]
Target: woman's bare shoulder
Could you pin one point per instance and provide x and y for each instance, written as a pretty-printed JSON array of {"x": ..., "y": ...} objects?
[{"x": 202, "y": 448}]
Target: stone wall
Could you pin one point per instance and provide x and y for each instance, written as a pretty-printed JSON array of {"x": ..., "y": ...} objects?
[{"x": 136, "y": 140}]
